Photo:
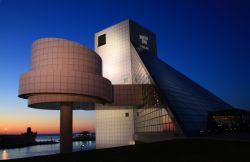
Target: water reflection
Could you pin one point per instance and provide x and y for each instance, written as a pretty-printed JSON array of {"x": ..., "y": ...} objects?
[
  {"x": 4, "y": 155},
  {"x": 38, "y": 150}
]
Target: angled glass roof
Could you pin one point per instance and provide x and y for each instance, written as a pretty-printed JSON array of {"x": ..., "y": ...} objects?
[{"x": 188, "y": 101}]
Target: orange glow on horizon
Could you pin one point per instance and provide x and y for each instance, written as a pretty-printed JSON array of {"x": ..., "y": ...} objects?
[
  {"x": 43, "y": 122},
  {"x": 42, "y": 127},
  {"x": 46, "y": 130}
]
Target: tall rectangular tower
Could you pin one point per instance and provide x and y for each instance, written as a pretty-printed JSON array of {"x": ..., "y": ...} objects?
[{"x": 115, "y": 124}]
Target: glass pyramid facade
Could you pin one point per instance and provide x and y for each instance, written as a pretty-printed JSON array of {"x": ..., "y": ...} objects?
[{"x": 186, "y": 103}]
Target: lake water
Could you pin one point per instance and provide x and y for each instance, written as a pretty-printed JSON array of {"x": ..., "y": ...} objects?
[{"x": 43, "y": 149}]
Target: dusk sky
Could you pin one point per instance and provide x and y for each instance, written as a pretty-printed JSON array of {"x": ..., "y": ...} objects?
[{"x": 209, "y": 41}]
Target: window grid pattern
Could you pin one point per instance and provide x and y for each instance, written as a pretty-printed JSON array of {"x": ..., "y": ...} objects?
[
  {"x": 189, "y": 102},
  {"x": 62, "y": 54},
  {"x": 153, "y": 115}
]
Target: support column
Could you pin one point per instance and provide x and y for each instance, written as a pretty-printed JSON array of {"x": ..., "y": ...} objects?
[{"x": 66, "y": 127}]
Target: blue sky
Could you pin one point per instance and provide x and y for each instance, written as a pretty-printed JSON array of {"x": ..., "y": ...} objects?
[{"x": 209, "y": 41}]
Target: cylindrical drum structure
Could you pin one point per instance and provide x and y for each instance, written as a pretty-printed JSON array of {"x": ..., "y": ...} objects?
[
  {"x": 64, "y": 75},
  {"x": 64, "y": 71}
]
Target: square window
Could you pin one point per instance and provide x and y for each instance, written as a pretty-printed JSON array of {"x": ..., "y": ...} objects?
[
  {"x": 127, "y": 114},
  {"x": 125, "y": 80},
  {"x": 101, "y": 40}
]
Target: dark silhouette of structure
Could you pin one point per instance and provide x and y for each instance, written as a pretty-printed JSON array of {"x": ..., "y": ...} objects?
[{"x": 24, "y": 139}]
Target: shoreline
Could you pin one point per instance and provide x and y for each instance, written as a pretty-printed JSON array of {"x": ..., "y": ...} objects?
[
  {"x": 37, "y": 143},
  {"x": 27, "y": 145},
  {"x": 176, "y": 150}
]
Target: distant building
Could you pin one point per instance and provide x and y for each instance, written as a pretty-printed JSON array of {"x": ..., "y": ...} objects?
[{"x": 19, "y": 140}]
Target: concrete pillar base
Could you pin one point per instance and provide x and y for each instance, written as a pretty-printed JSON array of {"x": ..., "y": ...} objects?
[{"x": 66, "y": 127}]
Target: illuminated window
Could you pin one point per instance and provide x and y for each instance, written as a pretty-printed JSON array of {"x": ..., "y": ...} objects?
[{"x": 101, "y": 40}]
